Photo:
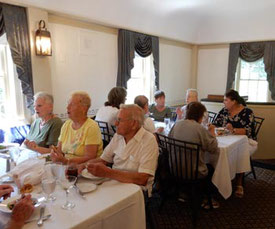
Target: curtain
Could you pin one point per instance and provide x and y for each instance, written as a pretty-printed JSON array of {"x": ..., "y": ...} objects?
[
  {"x": 144, "y": 45},
  {"x": 13, "y": 21},
  {"x": 251, "y": 52},
  {"x": 269, "y": 61},
  {"x": 234, "y": 51}
]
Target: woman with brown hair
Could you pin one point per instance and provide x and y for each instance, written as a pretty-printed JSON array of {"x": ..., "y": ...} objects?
[{"x": 108, "y": 113}]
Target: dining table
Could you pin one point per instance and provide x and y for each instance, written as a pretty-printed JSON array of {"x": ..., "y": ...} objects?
[
  {"x": 110, "y": 205},
  {"x": 234, "y": 157}
]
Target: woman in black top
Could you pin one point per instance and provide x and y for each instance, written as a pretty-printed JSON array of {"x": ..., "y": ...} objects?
[{"x": 239, "y": 120}]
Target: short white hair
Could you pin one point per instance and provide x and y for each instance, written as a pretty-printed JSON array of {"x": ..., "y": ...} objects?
[
  {"x": 191, "y": 91},
  {"x": 135, "y": 111},
  {"x": 85, "y": 99},
  {"x": 44, "y": 95}
]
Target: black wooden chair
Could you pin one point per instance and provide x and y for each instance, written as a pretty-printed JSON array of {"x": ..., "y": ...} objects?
[
  {"x": 211, "y": 116},
  {"x": 183, "y": 160},
  {"x": 105, "y": 132},
  {"x": 113, "y": 128},
  {"x": 258, "y": 121}
]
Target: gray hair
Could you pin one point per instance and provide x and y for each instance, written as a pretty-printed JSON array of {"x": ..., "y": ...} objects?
[
  {"x": 141, "y": 100},
  {"x": 44, "y": 95},
  {"x": 135, "y": 112},
  {"x": 191, "y": 91},
  {"x": 85, "y": 99}
]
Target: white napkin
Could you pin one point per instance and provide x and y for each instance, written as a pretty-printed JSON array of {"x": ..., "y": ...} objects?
[{"x": 28, "y": 172}]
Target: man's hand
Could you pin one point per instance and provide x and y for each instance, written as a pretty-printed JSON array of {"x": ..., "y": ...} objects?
[
  {"x": 81, "y": 167},
  {"x": 98, "y": 169},
  {"x": 21, "y": 212},
  {"x": 5, "y": 190}
]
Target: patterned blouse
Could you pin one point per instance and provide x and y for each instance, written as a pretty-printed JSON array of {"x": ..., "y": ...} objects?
[{"x": 244, "y": 119}]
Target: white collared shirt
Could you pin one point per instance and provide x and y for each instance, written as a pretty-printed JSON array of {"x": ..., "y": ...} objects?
[{"x": 140, "y": 154}]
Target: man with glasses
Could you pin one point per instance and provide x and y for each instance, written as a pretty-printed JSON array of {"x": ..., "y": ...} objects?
[{"x": 133, "y": 151}]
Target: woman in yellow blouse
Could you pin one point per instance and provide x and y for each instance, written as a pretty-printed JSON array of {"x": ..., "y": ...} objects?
[{"x": 80, "y": 138}]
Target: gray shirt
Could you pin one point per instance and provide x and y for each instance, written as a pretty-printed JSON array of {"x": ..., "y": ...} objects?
[{"x": 192, "y": 131}]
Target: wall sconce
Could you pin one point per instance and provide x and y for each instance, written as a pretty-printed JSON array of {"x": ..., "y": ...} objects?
[{"x": 43, "y": 42}]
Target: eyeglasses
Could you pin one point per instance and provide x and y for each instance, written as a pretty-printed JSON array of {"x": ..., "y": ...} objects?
[{"x": 122, "y": 120}]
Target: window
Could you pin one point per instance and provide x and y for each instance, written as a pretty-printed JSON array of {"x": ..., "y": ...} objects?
[
  {"x": 251, "y": 81},
  {"x": 142, "y": 81},
  {"x": 11, "y": 96}
]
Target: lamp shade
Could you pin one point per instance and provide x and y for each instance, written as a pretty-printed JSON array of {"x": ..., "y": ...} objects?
[{"x": 43, "y": 44}]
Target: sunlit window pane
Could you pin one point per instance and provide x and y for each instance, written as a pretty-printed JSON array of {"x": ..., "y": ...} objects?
[
  {"x": 142, "y": 79},
  {"x": 252, "y": 81}
]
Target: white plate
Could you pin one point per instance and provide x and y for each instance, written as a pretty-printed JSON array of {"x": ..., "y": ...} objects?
[
  {"x": 4, "y": 208},
  {"x": 86, "y": 187},
  {"x": 85, "y": 173}
]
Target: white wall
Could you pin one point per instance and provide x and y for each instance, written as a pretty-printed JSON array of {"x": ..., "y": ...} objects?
[
  {"x": 212, "y": 70},
  {"x": 175, "y": 71},
  {"x": 82, "y": 59},
  {"x": 85, "y": 58}
]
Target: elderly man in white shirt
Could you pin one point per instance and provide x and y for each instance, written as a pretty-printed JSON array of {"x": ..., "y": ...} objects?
[{"x": 133, "y": 151}]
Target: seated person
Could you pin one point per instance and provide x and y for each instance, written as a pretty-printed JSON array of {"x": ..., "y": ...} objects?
[
  {"x": 133, "y": 151},
  {"x": 191, "y": 96},
  {"x": 158, "y": 110},
  {"x": 238, "y": 119},
  {"x": 21, "y": 212},
  {"x": 80, "y": 138},
  {"x": 108, "y": 113},
  {"x": 191, "y": 130},
  {"x": 149, "y": 125},
  {"x": 46, "y": 128}
]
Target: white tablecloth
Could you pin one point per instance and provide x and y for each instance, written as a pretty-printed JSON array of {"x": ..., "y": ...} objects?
[
  {"x": 113, "y": 205},
  {"x": 234, "y": 158}
]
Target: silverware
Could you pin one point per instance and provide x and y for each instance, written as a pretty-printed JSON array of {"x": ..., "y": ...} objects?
[
  {"x": 44, "y": 218},
  {"x": 42, "y": 211},
  {"x": 79, "y": 192}
]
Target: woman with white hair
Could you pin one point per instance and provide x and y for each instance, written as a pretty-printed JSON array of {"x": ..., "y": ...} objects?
[
  {"x": 46, "y": 128},
  {"x": 80, "y": 138}
]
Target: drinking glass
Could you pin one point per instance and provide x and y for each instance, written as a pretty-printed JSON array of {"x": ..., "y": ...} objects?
[
  {"x": 167, "y": 122},
  {"x": 67, "y": 182},
  {"x": 72, "y": 170},
  {"x": 58, "y": 170},
  {"x": 48, "y": 186}
]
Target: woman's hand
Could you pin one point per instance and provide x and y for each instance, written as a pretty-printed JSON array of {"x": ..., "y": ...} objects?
[
  {"x": 211, "y": 129},
  {"x": 31, "y": 144},
  {"x": 57, "y": 155},
  {"x": 5, "y": 190},
  {"x": 229, "y": 127},
  {"x": 179, "y": 112}
]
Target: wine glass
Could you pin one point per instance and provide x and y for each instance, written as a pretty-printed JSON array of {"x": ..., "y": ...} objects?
[
  {"x": 67, "y": 182},
  {"x": 58, "y": 170},
  {"x": 48, "y": 186}
]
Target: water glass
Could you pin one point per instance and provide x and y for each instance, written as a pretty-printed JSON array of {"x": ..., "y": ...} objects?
[
  {"x": 67, "y": 182},
  {"x": 167, "y": 122},
  {"x": 48, "y": 187}
]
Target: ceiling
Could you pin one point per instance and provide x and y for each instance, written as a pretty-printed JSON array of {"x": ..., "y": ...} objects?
[{"x": 192, "y": 21}]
